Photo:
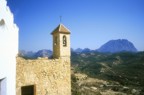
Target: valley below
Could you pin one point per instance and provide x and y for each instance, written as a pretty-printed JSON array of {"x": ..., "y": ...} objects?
[{"x": 95, "y": 73}]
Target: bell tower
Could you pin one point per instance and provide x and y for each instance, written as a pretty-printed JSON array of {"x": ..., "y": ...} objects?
[{"x": 61, "y": 42}]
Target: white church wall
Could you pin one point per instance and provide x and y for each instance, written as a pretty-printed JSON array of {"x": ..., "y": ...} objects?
[{"x": 8, "y": 50}]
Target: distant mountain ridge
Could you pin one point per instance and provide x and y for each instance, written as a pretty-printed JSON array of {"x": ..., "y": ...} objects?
[
  {"x": 34, "y": 55},
  {"x": 118, "y": 45},
  {"x": 112, "y": 46},
  {"x": 43, "y": 53}
]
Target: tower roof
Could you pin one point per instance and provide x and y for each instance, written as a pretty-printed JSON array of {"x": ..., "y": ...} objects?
[{"x": 61, "y": 29}]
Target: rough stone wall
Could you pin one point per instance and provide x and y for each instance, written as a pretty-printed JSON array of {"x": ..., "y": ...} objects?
[{"x": 50, "y": 76}]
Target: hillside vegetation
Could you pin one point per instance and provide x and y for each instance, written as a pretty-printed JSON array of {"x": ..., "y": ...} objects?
[{"x": 108, "y": 74}]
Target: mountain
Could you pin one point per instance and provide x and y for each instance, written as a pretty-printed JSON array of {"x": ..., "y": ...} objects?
[
  {"x": 86, "y": 50},
  {"x": 34, "y": 55},
  {"x": 119, "y": 45},
  {"x": 43, "y": 53},
  {"x": 78, "y": 50},
  {"x": 27, "y": 54}
]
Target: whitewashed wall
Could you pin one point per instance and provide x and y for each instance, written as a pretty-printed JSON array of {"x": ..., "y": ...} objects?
[{"x": 8, "y": 50}]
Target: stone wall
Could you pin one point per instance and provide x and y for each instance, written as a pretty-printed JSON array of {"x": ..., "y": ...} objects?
[{"x": 50, "y": 76}]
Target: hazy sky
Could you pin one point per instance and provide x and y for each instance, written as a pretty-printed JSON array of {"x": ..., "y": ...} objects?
[{"x": 92, "y": 22}]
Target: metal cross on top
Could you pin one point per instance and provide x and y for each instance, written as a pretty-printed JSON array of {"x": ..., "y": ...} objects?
[{"x": 60, "y": 19}]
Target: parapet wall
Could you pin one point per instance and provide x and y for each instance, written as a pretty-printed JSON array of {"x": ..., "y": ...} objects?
[{"x": 50, "y": 76}]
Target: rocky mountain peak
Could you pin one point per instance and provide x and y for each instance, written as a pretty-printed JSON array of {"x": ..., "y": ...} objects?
[{"x": 118, "y": 45}]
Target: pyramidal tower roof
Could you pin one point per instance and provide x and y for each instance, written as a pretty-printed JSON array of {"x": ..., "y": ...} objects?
[{"x": 61, "y": 29}]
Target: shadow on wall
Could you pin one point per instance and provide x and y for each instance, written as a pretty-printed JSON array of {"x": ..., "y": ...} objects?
[{"x": 3, "y": 86}]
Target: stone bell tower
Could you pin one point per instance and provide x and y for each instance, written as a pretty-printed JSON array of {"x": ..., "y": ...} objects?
[{"x": 61, "y": 42}]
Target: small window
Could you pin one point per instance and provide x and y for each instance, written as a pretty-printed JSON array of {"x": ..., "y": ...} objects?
[
  {"x": 28, "y": 90},
  {"x": 64, "y": 41},
  {"x": 2, "y": 22},
  {"x": 55, "y": 40}
]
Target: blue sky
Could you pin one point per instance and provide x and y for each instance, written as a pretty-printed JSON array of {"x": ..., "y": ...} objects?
[{"x": 92, "y": 22}]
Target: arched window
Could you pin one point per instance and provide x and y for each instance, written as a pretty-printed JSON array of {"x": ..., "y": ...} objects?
[{"x": 64, "y": 41}]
